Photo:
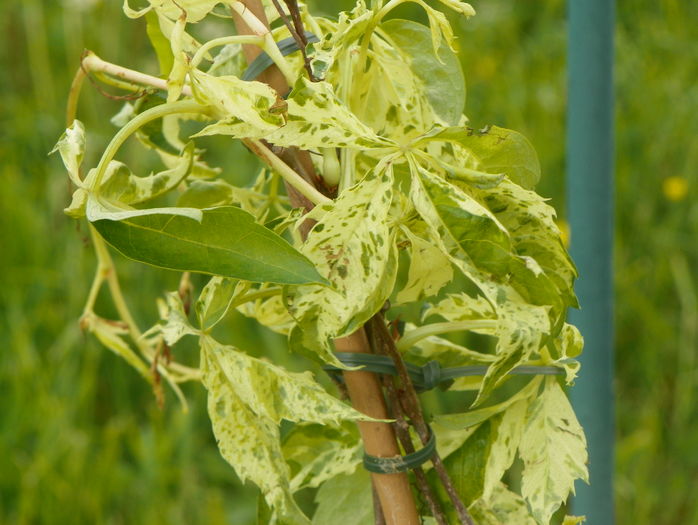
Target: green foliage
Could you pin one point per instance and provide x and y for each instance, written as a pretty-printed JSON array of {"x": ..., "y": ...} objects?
[
  {"x": 410, "y": 174},
  {"x": 69, "y": 419}
]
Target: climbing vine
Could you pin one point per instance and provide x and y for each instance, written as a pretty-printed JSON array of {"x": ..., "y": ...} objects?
[{"x": 380, "y": 225}]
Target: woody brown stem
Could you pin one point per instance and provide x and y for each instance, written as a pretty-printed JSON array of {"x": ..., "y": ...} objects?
[
  {"x": 410, "y": 404},
  {"x": 364, "y": 388}
]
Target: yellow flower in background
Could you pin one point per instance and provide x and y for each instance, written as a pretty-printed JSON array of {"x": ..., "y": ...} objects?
[
  {"x": 565, "y": 234},
  {"x": 675, "y": 188}
]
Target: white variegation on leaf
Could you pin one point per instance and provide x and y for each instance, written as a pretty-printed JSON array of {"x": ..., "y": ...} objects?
[
  {"x": 196, "y": 9},
  {"x": 71, "y": 147},
  {"x": 175, "y": 322},
  {"x": 312, "y": 116},
  {"x": 247, "y": 104},
  {"x": 387, "y": 117},
  {"x": 250, "y": 443},
  {"x": 272, "y": 392},
  {"x": 505, "y": 445},
  {"x": 214, "y": 301},
  {"x": 501, "y": 507},
  {"x": 461, "y": 307},
  {"x": 430, "y": 270},
  {"x": 553, "y": 449},
  {"x": 270, "y": 312},
  {"x": 317, "y": 453},
  {"x": 568, "y": 345},
  {"x": 352, "y": 247}
]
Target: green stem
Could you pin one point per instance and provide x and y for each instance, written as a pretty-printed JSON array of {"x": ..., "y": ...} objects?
[
  {"x": 416, "y": 335},
  {"x": 260, "y": 294},
  {"x": 290, "y": 176},
  {"x": 183, "y": 106},
  {"x": 269, "y": 46},
  {"x": 223, "y": 41},
  {"x": 108, "y": 272},
  {"x": 115, "y": 82},
  {"x": 71, "y": 108}
]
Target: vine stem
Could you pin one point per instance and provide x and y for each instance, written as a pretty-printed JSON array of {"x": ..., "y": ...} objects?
[
  {"x": 106, "y": 271},
  {"x": 412, "y": 407},
  {"x": 92, "y": 62},
  {"x": 289, "y": 175},
  {"x": 140, "y": 120},
  {"x": 403, "y": 433},
  {"x": 422, "y": 332}
]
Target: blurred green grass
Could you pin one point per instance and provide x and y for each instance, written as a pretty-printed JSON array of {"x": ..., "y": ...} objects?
[{"x": 81, "y": 437}]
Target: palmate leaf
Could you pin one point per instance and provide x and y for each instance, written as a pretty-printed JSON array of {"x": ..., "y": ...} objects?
[
  {"x": 317, "y": 453},
  {"x": 442, "y": 82},
  {"x": 430, "y": 270},
  {"x": 352, "y": 247},
  {"x": 534, "y": 232},
  {"x": 312, "y": 116},
  {"x": 227, "y": 242},
  {"x": 196, "y": 9},
  {"x": 247, "y": 399},
  {"x": 553, "y": 449},
  {"x": 251, "y": 444},
  {"x": 525, "y": 299},
  {"x": 493, "y": 150}
]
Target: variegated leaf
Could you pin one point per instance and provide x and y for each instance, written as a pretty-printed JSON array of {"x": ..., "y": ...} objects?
[
  {"x": 119, "y": 184},
  {"x": 492, "y": 150},
  {"x": 461, "y": 307},
  {"x": 214, "y": 301},
  {"x": 352, "y": 247},
  {"x": 312, "y": 116},
  {"x": 71, "y": 146},
  {"x": 317, "y": 453},
  {"x": 237, "y": 102},
  {"x": 553, "y": 449},
  {"x": 430, "y": 270},
  {"x": 272, "y": 392},
  {"x": 505, "y": 445},
  {"x": 176, "y": 324},
  {"x": 534, "y": 233},
  {"x": 250, "y": 443},
  {"x": 196, "y": 9},
  {"x": 270, "y": 312},
  {"x": 502, "y": 507}
]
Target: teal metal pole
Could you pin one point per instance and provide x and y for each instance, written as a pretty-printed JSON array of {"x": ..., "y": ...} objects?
[{"x": 590, "y": 212}]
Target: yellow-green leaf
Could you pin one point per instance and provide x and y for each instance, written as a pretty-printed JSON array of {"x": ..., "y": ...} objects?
[
  {"x": 71, "y": 146},
  {"x": 553, "y": 449},
  {"x": 430, "y": 270},
  {"x": 352, "y": 247}
]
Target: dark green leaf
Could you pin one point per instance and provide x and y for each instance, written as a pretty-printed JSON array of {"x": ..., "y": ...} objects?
[{"x": 226, "y": 242}]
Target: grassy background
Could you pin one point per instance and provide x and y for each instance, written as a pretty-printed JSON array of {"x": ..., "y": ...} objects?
[{"x": 81, "y": 438}]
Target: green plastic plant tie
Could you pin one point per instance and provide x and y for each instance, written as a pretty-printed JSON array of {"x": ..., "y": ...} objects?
[
  {"x": 263, "y": 61},
  {"x": 398, "y": 464},
  {"x": 430, "y": 375}
]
